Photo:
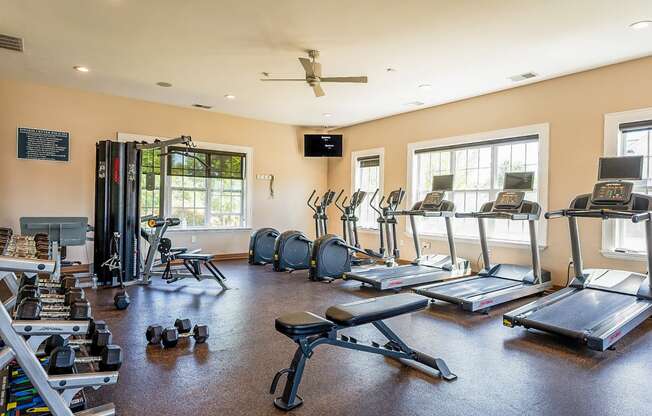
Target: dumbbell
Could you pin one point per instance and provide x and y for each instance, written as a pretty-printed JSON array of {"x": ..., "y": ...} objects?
[
  {"x": 121, "y": 300},
  {"x": 71, "y": 295},
  {"x": 63, "y": 359},
  {"x": 68, "y": 282},
  {"x": 32, "y": 309},
  {"x": 170, "y": 336},
  {"x": 99, "y": 339}
]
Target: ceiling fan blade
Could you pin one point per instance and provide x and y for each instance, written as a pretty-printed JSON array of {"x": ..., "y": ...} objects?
[
  {"x": 283, "y": 79},
  {"x": 362, "y": 80},
  {"x": 319, "y": 92},
  {"x": 307, "y": 66}
]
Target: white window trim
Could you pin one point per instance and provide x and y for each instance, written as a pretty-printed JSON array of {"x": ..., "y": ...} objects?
[
  {"x": 248, "y": 183},
  {"x": 612, "y": 143},
  {"x": 380, "y": 152},
  {"x": 541, "y": 130}
]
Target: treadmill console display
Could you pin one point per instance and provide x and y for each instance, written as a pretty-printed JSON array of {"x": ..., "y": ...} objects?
[
  {"x": 442, "y": 183},
  {"x": 612, "y": 192},
  {"x": 432, "y": 200},
  {"x": 509, "y": 200}
]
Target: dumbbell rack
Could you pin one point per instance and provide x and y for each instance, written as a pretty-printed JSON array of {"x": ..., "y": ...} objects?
[{"x": 57, "y": 391}]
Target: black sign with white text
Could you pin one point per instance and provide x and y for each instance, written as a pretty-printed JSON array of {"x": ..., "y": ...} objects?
[{"x": 40, "y": 144}]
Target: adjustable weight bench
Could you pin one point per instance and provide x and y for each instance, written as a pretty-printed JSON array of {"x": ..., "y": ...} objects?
[
  {"x": 193, "y": 262},
  {"x": 309, "y": 331}
]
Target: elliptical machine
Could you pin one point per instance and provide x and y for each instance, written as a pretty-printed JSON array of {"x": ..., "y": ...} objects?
[
  {"x": 332, "y": 256},
  {"x": 350, "y": 223},
  {"x": 292, "y": 248},
  {"x": 261, "y": 245}
]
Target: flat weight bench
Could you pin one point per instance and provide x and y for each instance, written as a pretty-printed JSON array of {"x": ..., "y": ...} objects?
[
  {"x": 309, "y": 330},
  {"x": 193, "y": 262}
]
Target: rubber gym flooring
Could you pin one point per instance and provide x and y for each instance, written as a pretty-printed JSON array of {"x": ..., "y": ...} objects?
[{"x": 501, "y": 371}]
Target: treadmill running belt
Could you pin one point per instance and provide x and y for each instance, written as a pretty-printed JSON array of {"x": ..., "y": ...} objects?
[
  {"x": 581, "y": 311},
  {"x": 379, "y": 273},
  {"x": 472, "y": 287}
]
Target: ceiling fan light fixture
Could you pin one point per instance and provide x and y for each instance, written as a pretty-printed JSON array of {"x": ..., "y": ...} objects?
[{"x": 81, "y": 68}]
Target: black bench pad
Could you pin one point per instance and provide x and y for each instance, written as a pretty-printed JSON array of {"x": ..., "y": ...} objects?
[
  {"x": 375, "y": 309},
  {"x": 302, "y": 324},
  {"x": 194, "y": 256}
]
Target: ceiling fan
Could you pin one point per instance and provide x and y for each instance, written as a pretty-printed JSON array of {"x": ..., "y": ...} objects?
[{"x": 313, "y": 75}]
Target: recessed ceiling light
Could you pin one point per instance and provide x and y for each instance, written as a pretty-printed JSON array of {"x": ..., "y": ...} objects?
[
  {"x": 164, "y": 84},
  {"x": 327, "y": 115},
  {"x": 81, "y": 68},
  {"x": 643, "y": 24},
  {"x": 229, "y": 96},
  {"x": 425, "y": 86}
]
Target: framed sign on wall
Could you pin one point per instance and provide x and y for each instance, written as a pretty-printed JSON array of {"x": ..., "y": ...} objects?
[{"x": 39, "y": 144}]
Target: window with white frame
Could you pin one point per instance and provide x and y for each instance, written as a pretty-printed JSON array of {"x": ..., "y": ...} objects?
[
  {"x": 629, "y": 134},
  {"x": 479, "y": 164},
  {"x": 204, "y": 188},
  {"x": 367, "y": 176}
]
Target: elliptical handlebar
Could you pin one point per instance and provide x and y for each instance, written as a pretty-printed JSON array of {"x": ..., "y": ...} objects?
[
  {"x": 312, "y": 205},
  {"x": 340, "y": 207}
]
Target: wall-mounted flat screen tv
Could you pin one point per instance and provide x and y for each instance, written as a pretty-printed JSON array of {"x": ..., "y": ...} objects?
[{"x": 322, "y": 145}]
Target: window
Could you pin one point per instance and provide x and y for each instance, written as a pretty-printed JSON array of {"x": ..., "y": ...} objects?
[
  {"x": 367, "y": 168},
  {"x": 628, "y": 134},
  {"x": 205, "y": 187},
  {"x": 479, "y": 164}
]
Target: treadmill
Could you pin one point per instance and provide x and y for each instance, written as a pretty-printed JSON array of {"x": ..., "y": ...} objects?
[
  {"x": 600, "y": 306},
  {"x": 424, "y": 269},
  {"x": 498, "y": 283}
]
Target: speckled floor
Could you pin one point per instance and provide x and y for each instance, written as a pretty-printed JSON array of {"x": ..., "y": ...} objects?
[{"x": 501, "y": 371}]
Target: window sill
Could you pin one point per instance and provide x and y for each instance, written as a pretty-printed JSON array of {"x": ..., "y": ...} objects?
[
  {"x": 476, "y": 241},
  {"x": 630, "y": 256},
  {"x": 204, "y": 230}
]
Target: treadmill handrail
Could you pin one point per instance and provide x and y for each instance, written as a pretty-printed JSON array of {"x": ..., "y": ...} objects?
[
  {"x": 423, "y": 213},
  {"x": 644, "y": 216},
  {"x": 497, "y": 215},
  {"x": 603, "y": 213}
]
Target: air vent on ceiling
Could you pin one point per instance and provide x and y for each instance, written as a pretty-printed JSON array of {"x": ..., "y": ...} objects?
[
  {"x": 522, "y": 77},
  {"x": 12, "y": 43},
  {"x": 205, "y": 107}
]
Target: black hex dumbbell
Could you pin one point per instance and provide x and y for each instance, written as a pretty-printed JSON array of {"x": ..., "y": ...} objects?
[
  {"x": 170, "y": 336},
  {"x": 63, "y": 359},
  {"x": 66, "y": 283},
  {"x": 100, "y": 339},
  {"x": 71, "y": 296},
  {"x": 32, "y": 309}
]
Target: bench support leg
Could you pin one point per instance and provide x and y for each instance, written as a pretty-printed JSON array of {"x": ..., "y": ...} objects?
[{"x": 290, "y": 400}]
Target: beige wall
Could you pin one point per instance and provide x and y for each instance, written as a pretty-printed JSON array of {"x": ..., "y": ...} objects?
[
  {"x": 38, "y": 188},
  {"x": 574, "y": 107}
]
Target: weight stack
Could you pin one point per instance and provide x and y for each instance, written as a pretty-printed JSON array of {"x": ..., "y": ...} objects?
[{"x": 117, "y": 172}]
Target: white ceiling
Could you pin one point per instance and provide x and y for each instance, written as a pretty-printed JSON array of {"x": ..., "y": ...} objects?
[{"x": 209, "y": 48}]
